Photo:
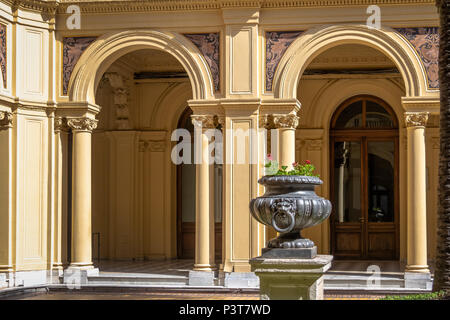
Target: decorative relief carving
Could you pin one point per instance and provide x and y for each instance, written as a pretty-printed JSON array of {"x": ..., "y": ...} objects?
[
  {"x": 435, "y": 143},
  {"x": 3, "y": 52},
  {"x": 266, "y": 121},
  {"x": 6, "y": 120},
  {"x": 209, "y": 46},
  {"x": 313, "y": 145},
  {"x": 205, "y": 121},
  {"x": 82, "y": 124},
  {"x": 73, "y": 48},
  {"x": 426, "y": 43},
  {"x": 121, "y": 93},
  {"x": 277, "y": 43},
  {"x": 157, "y": 146},
  {"x": 286, "y": 120},
  {"x": 61, "y": 124},
  {"x": 416, "y": 119},
  {"x": 152, "y": 146}
]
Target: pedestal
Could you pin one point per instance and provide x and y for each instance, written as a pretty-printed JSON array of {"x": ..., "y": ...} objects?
[{"x": 290, "y": 278}]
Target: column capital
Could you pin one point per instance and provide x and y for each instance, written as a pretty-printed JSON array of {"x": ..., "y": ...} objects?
[
  {"x": 206, "y": 121},
  {"x": 416, "y": 119},
  {"x": 286, "y": 121},
  {"x": 82, "y": 124},
  {"x": 266, "y": 121},
  {"x": 6, "y": 119},
  {"x": 61, "y": 124}
]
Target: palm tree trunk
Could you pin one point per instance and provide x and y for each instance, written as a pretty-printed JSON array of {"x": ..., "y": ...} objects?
[{"x": 442, "y": 271}]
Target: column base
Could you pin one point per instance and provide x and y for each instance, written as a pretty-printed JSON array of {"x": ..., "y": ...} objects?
[
  {"x": 204, "y": 267},
  {"x": 417, "y": 268},
  {"x": 201, "y": 278},
  {"x": 77, "y": 275},
  {"x": 418, "y": 280},
  {"x": 291, "y": 278}
]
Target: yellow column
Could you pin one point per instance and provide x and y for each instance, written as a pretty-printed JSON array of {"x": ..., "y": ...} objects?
[
  {"x": 416, "y": 208},
  {"x": 6, "y": 195},
  {"x": 204, "y": 211},
  {"x": 81, "y": 192},
  {"x": 286, "y": 124},
  {"x": 61, "y": 131}
]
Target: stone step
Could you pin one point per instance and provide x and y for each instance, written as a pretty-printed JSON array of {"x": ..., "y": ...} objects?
[
  {"x": 138, "y": 279},
  {"x": 361, "y": 281}
]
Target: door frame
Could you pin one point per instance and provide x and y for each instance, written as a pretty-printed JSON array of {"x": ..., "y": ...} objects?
[{"x": 364, "y": 135}]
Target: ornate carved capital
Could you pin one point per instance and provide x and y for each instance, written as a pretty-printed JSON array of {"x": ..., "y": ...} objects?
[
  {"x": 416, "y": 119},
  {"x": 286, "y": 120},
  {"x": 82, "y": 124},
  {"x": 6, "y": 119},
  {"x": 266, "y": 121},
  {"x": 205, "y": 121},
  {"x": 61, "y": 124}
]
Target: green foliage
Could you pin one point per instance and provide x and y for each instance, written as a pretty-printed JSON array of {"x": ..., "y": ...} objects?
[
  {"x": 306, "y": 169},
  {"x": 423, "y": 296}
]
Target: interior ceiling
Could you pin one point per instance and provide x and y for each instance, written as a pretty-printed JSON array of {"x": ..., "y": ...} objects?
[
  {"x": 351, "y": 57},
  {"x": 149, "y": 60}
]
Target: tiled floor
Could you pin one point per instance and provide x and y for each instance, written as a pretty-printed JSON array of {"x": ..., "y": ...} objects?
[{"x": 181, "y": 267}]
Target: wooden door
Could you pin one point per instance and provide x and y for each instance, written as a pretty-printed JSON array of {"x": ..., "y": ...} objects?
[{"x": 364, "y": 180}]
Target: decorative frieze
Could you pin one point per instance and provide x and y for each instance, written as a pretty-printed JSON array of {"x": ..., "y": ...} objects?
[
  {"x": 82, "y": 124},
  {"x": 6, "y": 120},
  {"x": 73, "y": 48},
  {"x": 209, "y": 46},
  {"x": 192, "y": 5},
  {"x": 277, "y": 43},
  {"x": 289, "y": 120},
  {"x": 3, "y": 54},
  {"x": 426, "y": 43},
  {"x": 416, "y": 119}
]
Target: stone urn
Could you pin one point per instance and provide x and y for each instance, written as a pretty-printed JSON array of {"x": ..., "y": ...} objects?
[{"x": 290, "y": 205}]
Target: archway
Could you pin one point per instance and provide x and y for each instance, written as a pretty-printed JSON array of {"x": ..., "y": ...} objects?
[
  {"x": 108, "y": 48},
  {"x": 142, "y": 95},
  {"x": 317, "y": 40}
]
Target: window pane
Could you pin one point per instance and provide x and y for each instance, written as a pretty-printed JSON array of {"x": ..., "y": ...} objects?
[
  {"x": 377, "y": 116},
  {"x": 347, "y": 181},
  {"x": 351, "y": 116},
  {"x": 381, "y": 180}
]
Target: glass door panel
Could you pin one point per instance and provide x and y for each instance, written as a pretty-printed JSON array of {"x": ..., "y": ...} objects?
[
  {"x": 380, "y": 188},
  {"x": 347, "y": 181}
]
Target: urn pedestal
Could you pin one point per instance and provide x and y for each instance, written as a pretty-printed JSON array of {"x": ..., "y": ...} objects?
[
  {"x": 289, "y": 268},
  {"x": 291, "y": 278}
]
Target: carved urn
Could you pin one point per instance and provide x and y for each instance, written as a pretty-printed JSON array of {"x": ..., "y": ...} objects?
[{"x": 289, "y": 205}]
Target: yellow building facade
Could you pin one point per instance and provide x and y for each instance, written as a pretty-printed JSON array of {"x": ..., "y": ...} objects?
[{"x": 92, "y": 92}]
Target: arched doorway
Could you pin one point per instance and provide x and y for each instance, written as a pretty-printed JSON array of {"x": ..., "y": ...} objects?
[
  {"x": 364, "y": 180},
  {"x": 186, "y": 182}
]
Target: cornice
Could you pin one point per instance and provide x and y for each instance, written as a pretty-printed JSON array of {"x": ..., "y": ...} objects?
[
  {"x": 94, "y": 6},
  {"x": 44, "y": 6}
]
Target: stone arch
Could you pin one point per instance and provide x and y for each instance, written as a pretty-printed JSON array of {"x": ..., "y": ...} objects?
[
  {"x": 108, "y": 48},
  {"x": 317, "y": 40}
]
